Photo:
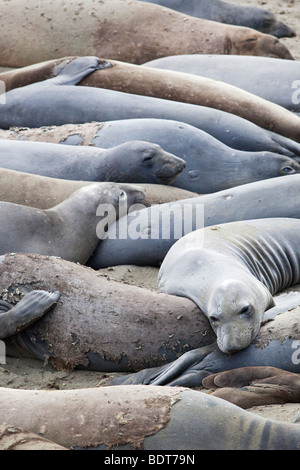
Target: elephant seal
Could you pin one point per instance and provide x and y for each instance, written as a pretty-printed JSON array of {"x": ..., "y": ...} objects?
[
  {"x": 32, "y": 307},
  {"x": 276, "y": 345},
  {"x": 226, "y": 12},
  {"x": 88, "y": 29},
  {"x": 98, "y": 323},
  {"x": 44, "y": 193},
  {"x": 68, "y": 229},
  {"x": 142, "y": 418},
  {"x": 146, "y": 162},
  {"x": 13, "y": 438},
  {"x": 65, "y": 104},
  {"x": 165, "y": 84},
  {"x": 131, "y": 162},
  {"x": 241, "y": 72},
  {"x": 157, "y": 228},
  {"x": 242, "y": 135},
  {"x": 231, "y": 271},
  {"x": 255, "y": 386}
]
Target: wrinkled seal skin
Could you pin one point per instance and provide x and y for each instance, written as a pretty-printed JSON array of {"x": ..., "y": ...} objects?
[
  {"x": 65, "y": 104},
  {"x": 68, "y": 229},
  {"x": 241, "y": 72},
  {"x": 241, "y": 135},
  {"x": 150, "y": 418},
  {"x": 226, "y": 12},
  {"x": 278, "y": 197},
  {"x": 231, "y": 271},
  {"x": 134, "y": 31},
  {"x": 170, "y": 85},
  {"x": 275, "y": 346},
  {"x": 43, "y": 193},
  {"x": 98, "y": 323},
  {"x": 131, "y": 162}
]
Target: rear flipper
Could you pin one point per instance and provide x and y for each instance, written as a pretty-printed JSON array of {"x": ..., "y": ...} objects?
[
  {"x": 32, "y": 307},
  {"x": 185, "y": 371}
]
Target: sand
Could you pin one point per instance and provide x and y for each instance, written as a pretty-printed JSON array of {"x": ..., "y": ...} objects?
[{"x": 33, "y": 374}]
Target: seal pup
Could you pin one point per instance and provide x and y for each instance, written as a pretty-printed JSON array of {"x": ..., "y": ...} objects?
[
  {"x": 230, "y": 13},
  {"x": 159, "y": 227},
  {"x": 231, "y": 271},
  {"x": 131, "y": 162},
  {"x": 68, "y": 229},
  {"x": 134, "y": 31},
  {"x": 65, "y": 104}
]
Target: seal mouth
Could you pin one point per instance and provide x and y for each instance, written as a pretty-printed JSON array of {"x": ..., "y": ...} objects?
[{"x": 168, "y": 173}]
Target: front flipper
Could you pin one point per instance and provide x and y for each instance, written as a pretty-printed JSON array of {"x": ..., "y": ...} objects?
[
  {"x": 185, "y": 371},
  {"x": 75, "y": 71},
  {"x": 283, "y": 302},
  {"x": 32, "y": 307}
]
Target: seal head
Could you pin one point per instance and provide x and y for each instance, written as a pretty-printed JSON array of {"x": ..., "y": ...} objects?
[{"x": 235, "y": 312}]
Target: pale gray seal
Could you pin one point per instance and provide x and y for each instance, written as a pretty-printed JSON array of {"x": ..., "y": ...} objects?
[{"x": 231, "y": 271}]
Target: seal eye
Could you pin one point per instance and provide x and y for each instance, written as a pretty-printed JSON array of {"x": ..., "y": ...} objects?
[
  {"x": 214, "y": 320},
  {"x": 287, "y": 170},
  {"x": 245, "y": 310}
]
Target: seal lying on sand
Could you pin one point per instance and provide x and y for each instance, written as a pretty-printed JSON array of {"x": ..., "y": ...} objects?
[
  {"x": 68, "y": 229},
  {"x": 65, "y": 104},
  {"x": 276, "y": 345},
  {"x": 99, "y": 323},
  {"x": 157, "y": 228},
  {"x": 226, "y": 12},
  {"x": 166, "y": 84},
  {"x": 131, "y": 162},
  {"x": 231, "y": 271},
  {"x": 148, "y": 418},
  {"x": 134, "y": 31}
]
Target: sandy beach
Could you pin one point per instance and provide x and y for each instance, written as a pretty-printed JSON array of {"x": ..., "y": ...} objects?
[{"x": 33, "y": 374}]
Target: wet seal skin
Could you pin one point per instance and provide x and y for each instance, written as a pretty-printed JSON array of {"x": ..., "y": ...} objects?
[{"x": 148, "y": 418}]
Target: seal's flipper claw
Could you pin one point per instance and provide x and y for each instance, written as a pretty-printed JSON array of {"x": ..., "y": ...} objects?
[{"x": 31, "y": 308}]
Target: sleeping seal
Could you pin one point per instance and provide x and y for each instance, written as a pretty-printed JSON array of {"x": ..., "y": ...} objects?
[{"x": 231, "y": 271}]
